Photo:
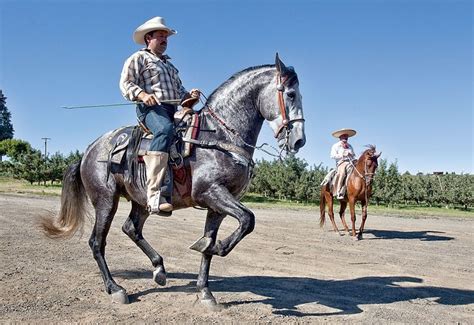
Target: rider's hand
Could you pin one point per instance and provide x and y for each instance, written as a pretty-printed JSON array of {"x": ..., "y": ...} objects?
[
  {"x": 148, "y": 99},
  {"x": 195, "y": 93}
]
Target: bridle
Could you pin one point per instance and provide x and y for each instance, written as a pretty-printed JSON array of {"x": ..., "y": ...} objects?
[{"x": 285, "y": 122}]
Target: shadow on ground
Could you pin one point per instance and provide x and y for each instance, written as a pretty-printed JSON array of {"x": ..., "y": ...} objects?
[
  {"x": 284, "y": 294},
  {"x": 427, "y": 235}
]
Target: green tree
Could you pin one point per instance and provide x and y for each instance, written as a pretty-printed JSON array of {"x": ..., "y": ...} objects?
[
  {"x": 30, "y": 166},
  {"x": 13, "y": 148},
  {"x": 6, "y": 127},
  {"x": 393, "y": 185},
  {"x": 464, "y": 187},
  {"x": 261, "y": 181},
  {"x": 378, "y": 189},
  {"x": 54, "y": 167},
  {"x": 73, "y": 157}
]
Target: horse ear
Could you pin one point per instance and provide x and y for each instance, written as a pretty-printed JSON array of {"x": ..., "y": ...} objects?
[{"x": 280, "y": 66}]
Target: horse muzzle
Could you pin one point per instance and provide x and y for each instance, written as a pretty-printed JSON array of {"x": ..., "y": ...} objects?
[{"x": 292, "y": 138}]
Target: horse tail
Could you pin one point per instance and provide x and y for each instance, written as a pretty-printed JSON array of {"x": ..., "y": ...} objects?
[
  {"x": 73, "y": 206},
  {"x": 322, "y": 207}
]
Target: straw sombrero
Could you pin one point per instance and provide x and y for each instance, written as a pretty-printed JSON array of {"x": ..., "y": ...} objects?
[
  {"x": 340, "y": 132},
  {"x": 156, "y": 23}
]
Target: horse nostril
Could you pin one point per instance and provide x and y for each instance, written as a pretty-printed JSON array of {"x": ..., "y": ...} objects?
[{"x": 299, "y": 144}]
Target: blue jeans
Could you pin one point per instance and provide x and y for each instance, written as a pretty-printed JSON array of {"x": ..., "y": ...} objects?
[{"x": 159, "y": 120}]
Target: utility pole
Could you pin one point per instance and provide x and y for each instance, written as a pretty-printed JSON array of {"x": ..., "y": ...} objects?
[{"x": 45, "y": 147}]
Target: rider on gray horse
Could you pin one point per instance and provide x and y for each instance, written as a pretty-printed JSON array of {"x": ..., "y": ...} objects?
[{"x": 149, "y": 77}]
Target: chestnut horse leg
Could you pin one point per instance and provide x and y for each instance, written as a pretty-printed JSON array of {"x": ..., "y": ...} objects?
[
  {"x": 343, "y": 204},
  {"x": 364, "y": 217},
  {"x": 353, "y": 215}
]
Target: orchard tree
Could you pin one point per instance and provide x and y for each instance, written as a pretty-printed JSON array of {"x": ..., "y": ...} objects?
[{"x": 13, "y": 148}]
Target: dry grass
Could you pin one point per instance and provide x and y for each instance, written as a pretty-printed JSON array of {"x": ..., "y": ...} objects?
[{"x": 16, "y": 186}]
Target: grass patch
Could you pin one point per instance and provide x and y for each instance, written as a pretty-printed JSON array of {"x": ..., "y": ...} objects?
[
  {"x": 255, "y": 201},
  {"x": 18, "y": 186}
]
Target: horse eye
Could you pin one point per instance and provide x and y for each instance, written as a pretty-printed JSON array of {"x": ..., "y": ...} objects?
[{"x": 291, "y": 94}]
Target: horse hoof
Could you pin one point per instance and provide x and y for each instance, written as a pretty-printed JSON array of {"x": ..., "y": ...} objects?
[
  {"x": 202, "y": 244},
  {"x": 159, "y": 276},
  {"x": 120, "y": 297},
  {"x": 212, "y": 305}
]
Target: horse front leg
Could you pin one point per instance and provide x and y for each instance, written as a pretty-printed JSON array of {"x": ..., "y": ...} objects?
[
  {"x": 133, "y": 227},
  {"x": 364, "y": 217},
  {"x": 353, "y": 216},
  {"x": 213, "y": 222},
  {"x": 220, "y": 200}
]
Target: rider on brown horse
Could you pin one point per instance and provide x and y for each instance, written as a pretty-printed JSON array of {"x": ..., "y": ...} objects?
[{"x": 343, "y": 153}]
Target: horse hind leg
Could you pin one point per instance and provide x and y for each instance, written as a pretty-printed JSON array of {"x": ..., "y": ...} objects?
[
  {"x": 330, "y": 202},
  {"x": 105, "y": 209},
  {"x": 133, "y": 227},
  {"x": 341, "y": 214}
]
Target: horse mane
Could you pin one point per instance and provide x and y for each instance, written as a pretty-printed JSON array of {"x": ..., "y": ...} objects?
[
  {"x": 370, "y": 150},
  {"x": 292, "y": 77}
]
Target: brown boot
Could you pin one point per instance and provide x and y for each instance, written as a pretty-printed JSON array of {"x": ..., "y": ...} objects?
[{"x": 156, "y": 163}]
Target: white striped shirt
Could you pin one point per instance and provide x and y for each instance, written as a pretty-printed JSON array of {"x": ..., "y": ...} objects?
[
  {"x": 144, "y": 71},
  {"x": 337, "y": 153}
]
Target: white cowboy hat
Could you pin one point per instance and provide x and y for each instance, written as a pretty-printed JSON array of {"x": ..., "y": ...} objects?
[
  {"x": 156, "y": 23},
  {"x": 340, "y": 132}
]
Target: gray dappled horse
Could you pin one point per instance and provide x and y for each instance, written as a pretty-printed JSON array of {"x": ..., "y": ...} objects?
[{"x": 220, "y": 177}]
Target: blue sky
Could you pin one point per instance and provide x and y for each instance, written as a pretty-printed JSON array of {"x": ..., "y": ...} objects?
[{"x": 399, "y": 72}]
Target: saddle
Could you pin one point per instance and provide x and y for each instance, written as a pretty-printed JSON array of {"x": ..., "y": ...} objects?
[
  {"x": 331, "y": 178},
  {"x": 130, "y": 144}
]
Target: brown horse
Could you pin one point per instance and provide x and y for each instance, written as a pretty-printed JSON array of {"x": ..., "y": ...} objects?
[{"x": 359, "y": 188}]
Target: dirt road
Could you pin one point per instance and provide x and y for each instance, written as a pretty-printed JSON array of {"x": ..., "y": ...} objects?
[{"x": 406, "y": 270}]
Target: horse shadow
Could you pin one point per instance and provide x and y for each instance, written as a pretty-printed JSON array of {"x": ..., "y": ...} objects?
[
  {"x": 426, "y": 235},
  {"x": 285, "y": 294}
]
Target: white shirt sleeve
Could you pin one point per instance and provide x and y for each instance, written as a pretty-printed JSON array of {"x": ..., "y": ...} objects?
[{"x": 336, "y": 152}]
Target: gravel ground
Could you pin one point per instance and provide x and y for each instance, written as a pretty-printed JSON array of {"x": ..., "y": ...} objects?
[{"x": 406, "y": 270}]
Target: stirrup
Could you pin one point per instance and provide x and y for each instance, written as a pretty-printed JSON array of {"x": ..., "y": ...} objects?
[{"x": 154, "y": 207}]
